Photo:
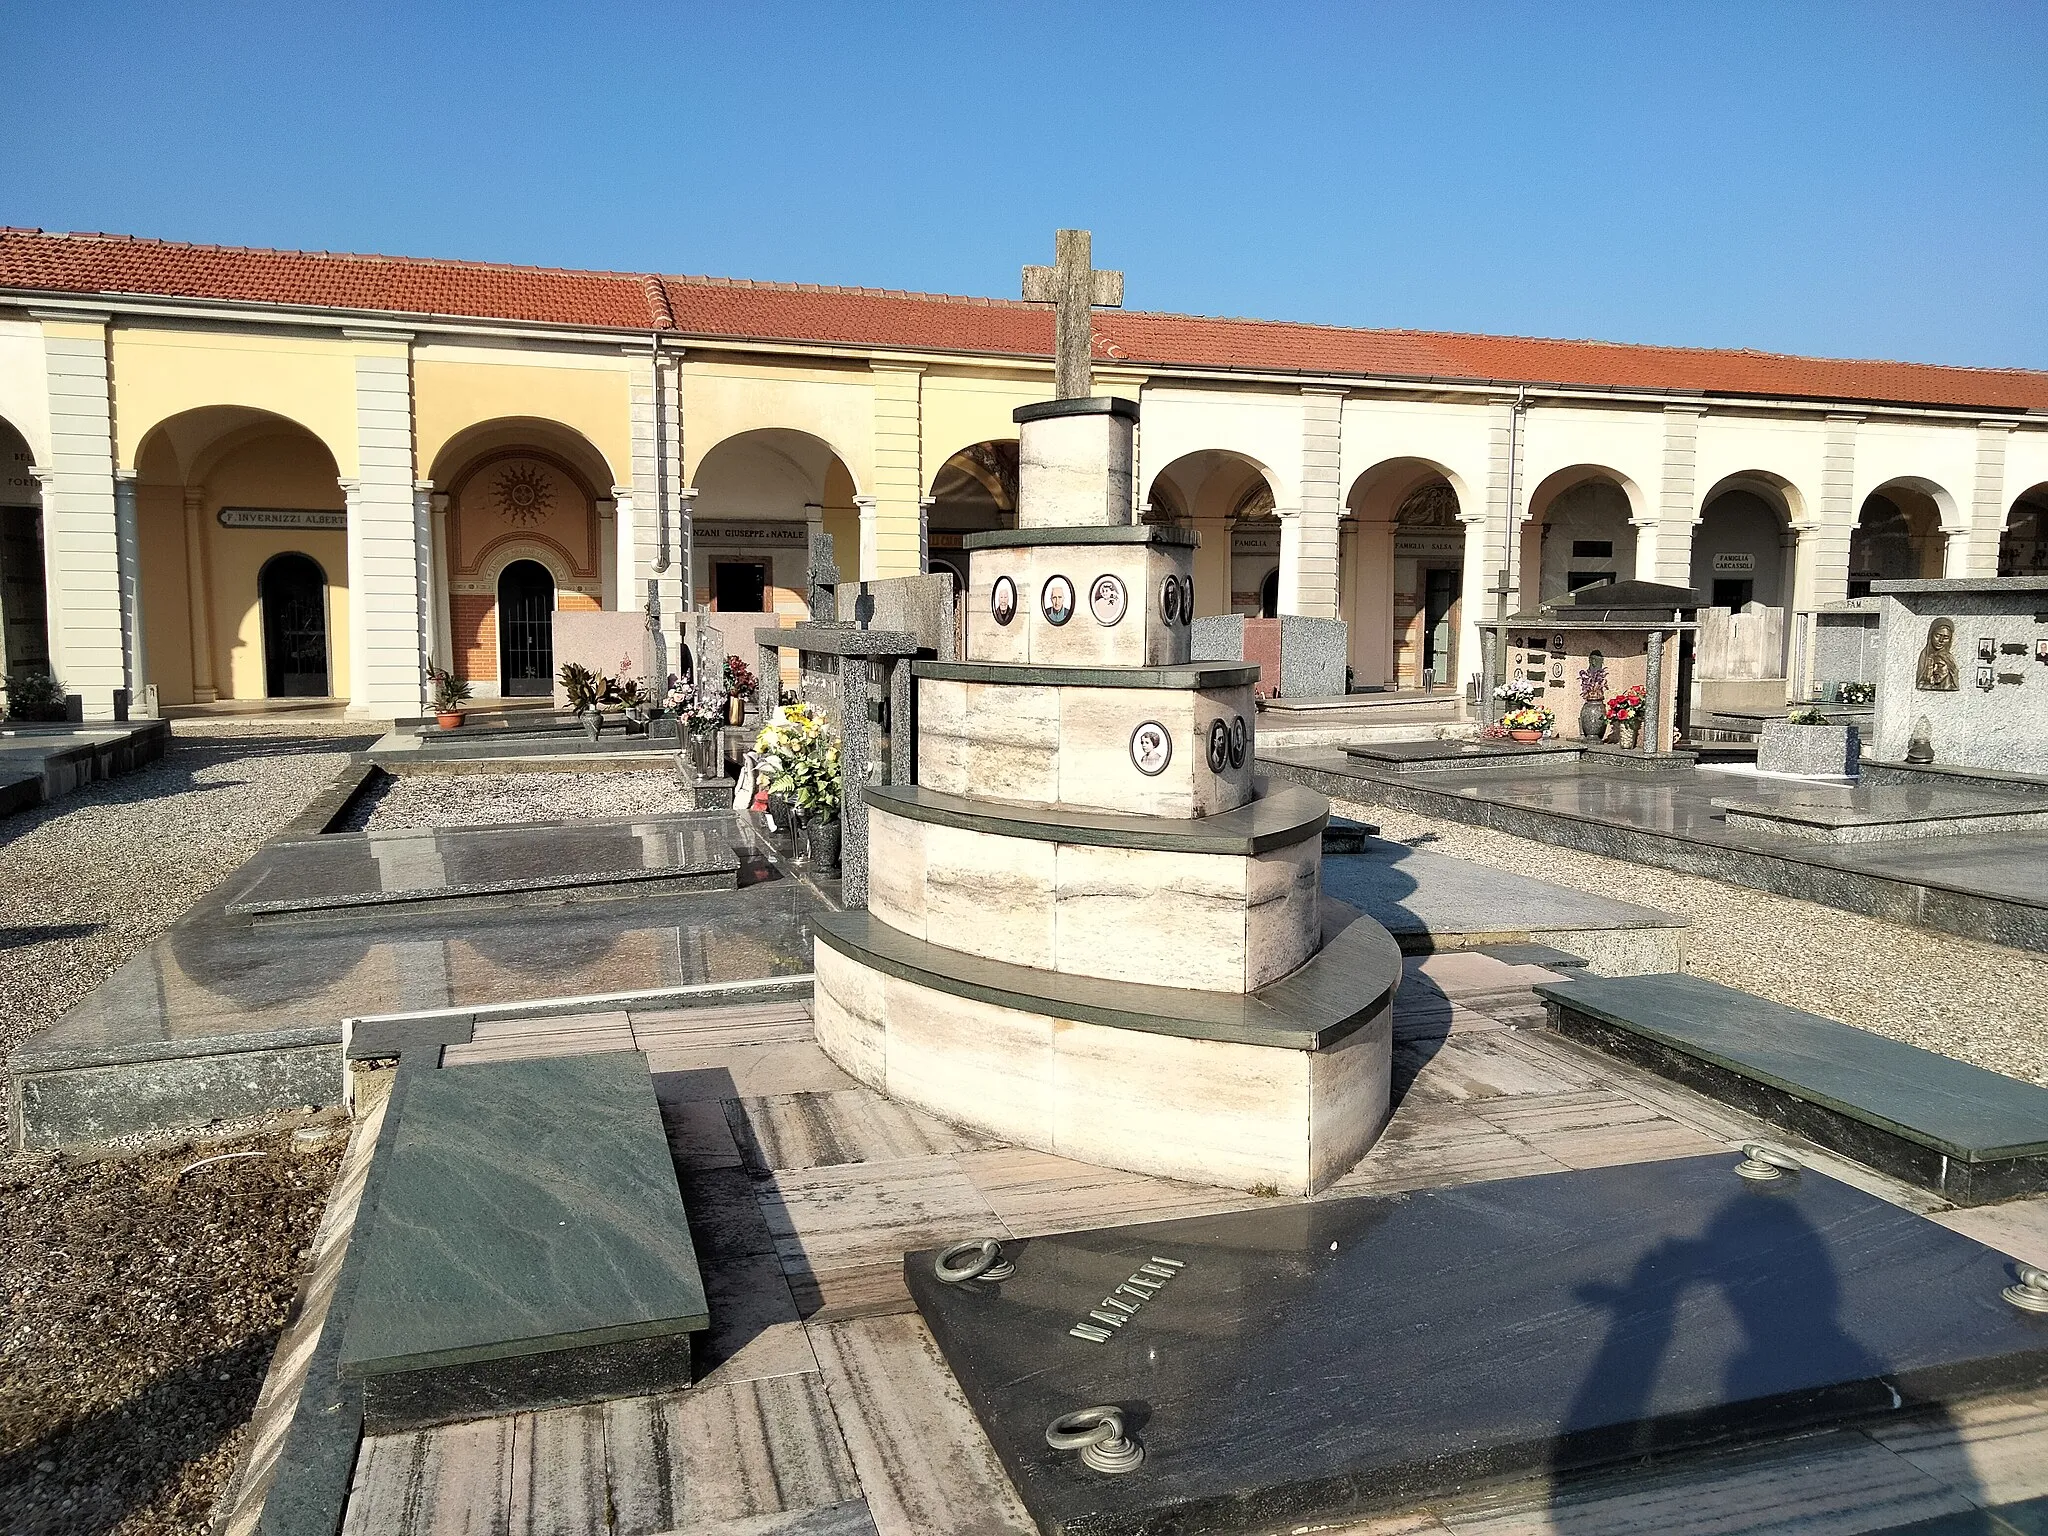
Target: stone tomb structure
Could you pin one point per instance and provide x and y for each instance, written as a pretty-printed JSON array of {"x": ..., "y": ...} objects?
[
  {"x": 1090, "y": 929},
  {"x": 1635, "y": 630},
  {"x": 1964, "y": 673}
]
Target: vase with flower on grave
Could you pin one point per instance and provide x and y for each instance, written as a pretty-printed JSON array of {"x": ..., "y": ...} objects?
[{"x": 1592, "y": 719}]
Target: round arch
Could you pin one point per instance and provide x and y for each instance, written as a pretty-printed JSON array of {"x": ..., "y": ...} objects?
[
  {"x": 972, "y": 491},
  {"x": 2023, "y": 542},
  {"x": 1742, "y": 544},
  {"x": 1901, "y": 533},
  {"x": 1402, "y": 573},
  {"x": 220, "y": 490},
  {"x": 577, "y": 454},
  {"x": 1229, "y": 498},
  {"x": 24, "y": 571},
  {"x": 1580, "y": 529},
  {"x": 292, "y": 590},
  {"x": 1379, "y": 490},
  {"x": 759, "y": 494}
]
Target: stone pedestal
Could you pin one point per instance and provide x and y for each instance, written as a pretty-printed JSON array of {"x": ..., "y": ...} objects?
[
  {"x": 1811, "y": 751},
  {"x": 1074, "y": 461},
  {"x": 1297, "y": 657}
]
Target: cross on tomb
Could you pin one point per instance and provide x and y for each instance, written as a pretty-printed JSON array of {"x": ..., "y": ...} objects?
[
  {"x": 1074, "y": 289},
  {"x": 824, "y": 579}
]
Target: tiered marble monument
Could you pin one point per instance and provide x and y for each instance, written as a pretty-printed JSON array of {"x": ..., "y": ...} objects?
[{"x": 1090, "y": 929}]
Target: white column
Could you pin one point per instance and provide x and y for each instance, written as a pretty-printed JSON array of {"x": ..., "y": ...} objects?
[
  {"x": 1955, "y": 550},
  {"x": 622, "y": 550},
  {"x": 662, "y": 579},
  {"x": 386, "y": 537},
  {"x": 870, "y": 514},
  {"x": 1474, "y": 597},
  {"x": 427, "y": 606},
  {"x": 442, "y": 604},
  {"x": 924, "y": 534},
  {"x": 1372, "y": 601},
  {"x": 79, "y": 532},
  {"x": 128, "y": 539},
  {"x": 1213, "y": 574},
  {"x": 199, "y": 597},
  {"x": 1290, "y": 558}
]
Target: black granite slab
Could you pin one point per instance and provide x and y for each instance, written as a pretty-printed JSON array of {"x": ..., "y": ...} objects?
[
  {"x": 415, "y": 865},
  {"x": 1967, "y": 1133},
  {"x": 1166, "y": 534},
  {"x": 1198, "y": 675},
  {"x": 1346, "y": 986},
  {"x": 1276, "y": 817},
  {"x": 529, "y": 1248},
  {"x": 1324, "y": 1360}
]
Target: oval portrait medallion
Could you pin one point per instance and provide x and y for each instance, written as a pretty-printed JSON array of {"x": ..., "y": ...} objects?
[
  {"x": 1056, "y": 600},
  {"x": 1151, "y": 748},
  {"x": 1002, "y": 600},
  {"x": 1169, "y": 600},
  {"x": 1237, "y": 741},
  {"x": 1187, "y": 599},
  {"x": 1219, "y": 745},
  {"x": 1107, "y": 600}
]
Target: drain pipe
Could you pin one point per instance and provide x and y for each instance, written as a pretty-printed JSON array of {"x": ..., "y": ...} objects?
[{"x": 1490, "y": 638}]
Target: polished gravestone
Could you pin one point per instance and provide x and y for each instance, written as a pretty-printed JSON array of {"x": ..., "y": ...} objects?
[
  {"x": 528, "y": 1249},
  {"x": 590, "y": 859},
  {"x": 1322, "y": 1359}
]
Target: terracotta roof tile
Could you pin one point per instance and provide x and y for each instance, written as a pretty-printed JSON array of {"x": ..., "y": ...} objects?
[{"x": 739, "y": 309}]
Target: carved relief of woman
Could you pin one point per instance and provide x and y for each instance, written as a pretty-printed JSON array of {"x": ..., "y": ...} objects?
[{"x": 1938, "y": 672}]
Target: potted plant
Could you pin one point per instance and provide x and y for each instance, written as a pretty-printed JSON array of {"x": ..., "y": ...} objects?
[
  {"x": 1807, "y": 744},
  {"x": 1528, "y": 724},
  {"x": 34, "y": 695},
  {"x": 1593, "y": 703},
  {"x": 807, "y": 776},
  {"x": 740, "y": 684},
  {"x": 450, "y": 694},
  {"x": 1625, "y": 713}
]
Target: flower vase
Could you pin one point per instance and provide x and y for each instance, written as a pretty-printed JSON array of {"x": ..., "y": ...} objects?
[
  {"x": 704, "y": 763},
  {"x": 1592, "y": 719},
  {"x": 1625, "y": 732},
  {"x": 593, "y": 724},
  {"x": 735, "y": 709},
  {"x": 821, "y": 839}
]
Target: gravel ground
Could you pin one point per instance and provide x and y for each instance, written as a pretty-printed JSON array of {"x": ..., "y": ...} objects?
[
  {"x": 1976, "y": 1002},
  {"x": 475, "y": 799},
  {"x": 141, "y": 1300},
  {"x": 87, "y": 880}
]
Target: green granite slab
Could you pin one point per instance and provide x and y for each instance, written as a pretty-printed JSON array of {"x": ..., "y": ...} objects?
[
  {"x": 1344, "y": 986},
  {"x": 1201, "y": 674},
  {"x": 529, "y": 1207},
  {"x": 1132, "y": 533},
  {"x": 1962, "y": 1111},
  {"x": 1277, "y": 817}
]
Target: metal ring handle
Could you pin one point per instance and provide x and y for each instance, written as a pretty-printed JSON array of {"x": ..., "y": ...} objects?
[
  {"x": 2031, "y": 1294},
  {"x": 988, "y": 1262},
  {"x": 1098, "y": 1434},
  {"x": 1761, "y": 1162}
]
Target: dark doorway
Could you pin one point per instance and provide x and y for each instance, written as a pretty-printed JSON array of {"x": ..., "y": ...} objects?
[
  {"x": 1733, "y": 592},
  {"x": 1269, "y": 596},
  {"x": 1439, "y": 597},
  {"x": 741, "y": 586},
  {"x": 526, "y": 630},
  {"x": 293, "y": 590}
]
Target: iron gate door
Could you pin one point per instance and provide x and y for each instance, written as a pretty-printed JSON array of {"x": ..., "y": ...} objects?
[
  {"x": 526, "y": 630},
  {"x": 293, "y": 590}
]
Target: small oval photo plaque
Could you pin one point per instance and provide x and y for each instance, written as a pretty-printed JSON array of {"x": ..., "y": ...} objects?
[
  {"x": 1107, "y": 600},
  {"x": 1056, "y": 600},
  {"x": 1237, "y": 741},
  {"x": 1219, "y": 745},
  {"x": 1187, "y": 599},
  {"x": 1169, "y": 600},
  {"x": 1002, "y": 600},
  {"x": 1151, "y": 748}
]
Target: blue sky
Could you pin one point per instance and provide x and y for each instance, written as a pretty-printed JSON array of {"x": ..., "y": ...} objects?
[{"x": 1846, "y": 179}]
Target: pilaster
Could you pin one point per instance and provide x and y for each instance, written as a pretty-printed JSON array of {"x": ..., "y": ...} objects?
[
  {"x": 128, "y": 542},
  {"x": 1664, "y": 549},
  {"x": 1310, "y": 535},
  {"x": 443, "y": 647},
  {"x": 661, "y": 565},
  {"x": 387, "y": 538},
  {"x": 1987, "y": 499},
  {"x": 199, "y": 594},
  {"x": 88, "y": 632},
  {"x": 893, "y": 549},
  {"x": 1824, "y": 549},
  {"x": 870, "y": 535}
]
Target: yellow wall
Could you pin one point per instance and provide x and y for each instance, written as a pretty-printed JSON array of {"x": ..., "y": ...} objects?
[
  {"x": 722, "y": 400},
  {"x": 450, "y": 396},
  {"x": 160, "y": 373},
  {"x": 282, "y": 470},
  {"x": 961, "y": 410}
]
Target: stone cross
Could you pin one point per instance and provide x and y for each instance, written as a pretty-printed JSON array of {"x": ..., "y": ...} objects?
[{"x": 1074, "y": 289}]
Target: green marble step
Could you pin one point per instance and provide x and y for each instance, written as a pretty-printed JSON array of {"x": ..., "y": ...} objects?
[
  {"x": 528, "y": 1249},
  {"x": 1277, "y": 817},
  {"x": 1195, "y": 676},
  {"x": 1343, "y": 987},
  {"x": 1948, "y": 1106}
]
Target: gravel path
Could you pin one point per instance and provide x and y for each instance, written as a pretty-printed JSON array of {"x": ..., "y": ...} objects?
[
  {"x": 475, "y": 799},
  {"x": 1976, "y": 1002},
  {"x": 87, "y": 880}
]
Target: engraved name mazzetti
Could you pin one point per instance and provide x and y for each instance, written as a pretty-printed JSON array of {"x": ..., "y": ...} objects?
[{"x": 1122, "y": 1304}]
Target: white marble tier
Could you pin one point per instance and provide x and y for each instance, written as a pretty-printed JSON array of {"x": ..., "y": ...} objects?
[
  {"x": 1140, "y": 634},
  {"x": 1038, "y": 738},
  {"x": 1212, "y": 1111},
  {"x": 1074, "y": 462},
  {"x": 1214, "y": 921}
]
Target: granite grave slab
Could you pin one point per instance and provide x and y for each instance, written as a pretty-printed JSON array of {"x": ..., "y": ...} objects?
[
  {"x": 636, "y": 856},
  {"x": 1970, "y": 1135},
  {"x": 529, "y": 1248},
  {"x": 1288, "y": 1366}
]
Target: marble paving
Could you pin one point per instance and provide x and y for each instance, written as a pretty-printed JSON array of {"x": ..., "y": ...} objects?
[{"x": 824, "y": 1407}]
